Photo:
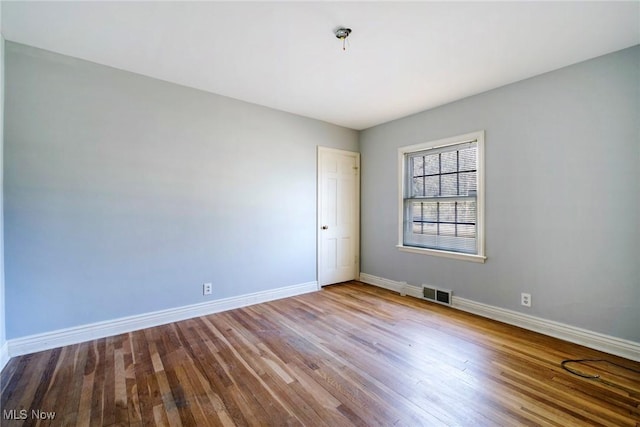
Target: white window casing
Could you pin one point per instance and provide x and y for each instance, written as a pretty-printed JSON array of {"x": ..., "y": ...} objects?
[{"x": 441, "y": 197}]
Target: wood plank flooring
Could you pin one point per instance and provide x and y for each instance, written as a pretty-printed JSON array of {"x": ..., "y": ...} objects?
[{"x": 351, "y": 354}]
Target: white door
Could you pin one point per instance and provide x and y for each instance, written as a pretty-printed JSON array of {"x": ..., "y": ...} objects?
[{"x": 338, "y": 216}]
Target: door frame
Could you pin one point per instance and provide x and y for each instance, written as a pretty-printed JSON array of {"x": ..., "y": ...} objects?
[{"x": 356, "y": 196}]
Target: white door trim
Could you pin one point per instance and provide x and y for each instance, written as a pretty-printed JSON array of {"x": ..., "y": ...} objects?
[{"x": 322, "y": 149}]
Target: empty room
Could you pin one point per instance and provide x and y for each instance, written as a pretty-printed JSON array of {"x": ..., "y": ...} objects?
[{"x": 320, "y": 213}]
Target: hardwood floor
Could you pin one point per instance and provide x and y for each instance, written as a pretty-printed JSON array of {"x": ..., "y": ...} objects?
[{"x": 351, "y": 354}]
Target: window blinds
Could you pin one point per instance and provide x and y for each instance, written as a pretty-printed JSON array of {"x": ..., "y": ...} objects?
[{"x": 440, "y": 204}]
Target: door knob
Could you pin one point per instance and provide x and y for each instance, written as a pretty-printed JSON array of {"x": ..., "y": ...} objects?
[{"x": 325, "y": 227}]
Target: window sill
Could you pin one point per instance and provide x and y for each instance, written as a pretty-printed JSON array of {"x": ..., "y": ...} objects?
[{"x": 444, "y": 254}]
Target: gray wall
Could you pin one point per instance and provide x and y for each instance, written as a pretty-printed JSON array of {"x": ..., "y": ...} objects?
[
  {"x": 123, "y": 194},
  {"x": 2, "y": 304},
  {"x": 562, "y": 196}
]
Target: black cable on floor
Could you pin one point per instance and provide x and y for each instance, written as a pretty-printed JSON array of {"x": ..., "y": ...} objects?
[{"x": 588, "y": 376}]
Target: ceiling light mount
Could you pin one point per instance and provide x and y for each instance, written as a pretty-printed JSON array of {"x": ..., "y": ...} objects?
[{"x": 342, "y": 33}]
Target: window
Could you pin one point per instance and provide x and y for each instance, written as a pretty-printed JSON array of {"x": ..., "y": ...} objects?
[{"x": 441, "y": 206}]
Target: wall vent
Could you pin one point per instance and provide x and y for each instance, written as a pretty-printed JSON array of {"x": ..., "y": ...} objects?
[{"x": 441, "y": 296}]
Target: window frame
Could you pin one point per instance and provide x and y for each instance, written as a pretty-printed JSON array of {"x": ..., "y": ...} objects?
[{"x": 403, "y": 181}]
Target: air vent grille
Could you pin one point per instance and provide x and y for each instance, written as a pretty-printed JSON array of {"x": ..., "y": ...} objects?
[
  {"x": 441, "y": 296},
  {"x": 429, "y": 293}
]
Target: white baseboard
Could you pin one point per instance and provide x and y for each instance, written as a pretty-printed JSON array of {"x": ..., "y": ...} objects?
[
  {"x": 595, "y": 340},
  {"x": 391, "y": 285},
  {"x": 4, "y": 355},
  {"x": 78, "y": 334}
]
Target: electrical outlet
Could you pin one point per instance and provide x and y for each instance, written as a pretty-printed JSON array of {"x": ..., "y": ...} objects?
[
  {"x": 525, "y": 299},
  {"x": 207, "y": 289}
]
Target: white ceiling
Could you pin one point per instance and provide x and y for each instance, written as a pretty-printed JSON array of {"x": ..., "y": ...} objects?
[{"x": 402, "y": 57}]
